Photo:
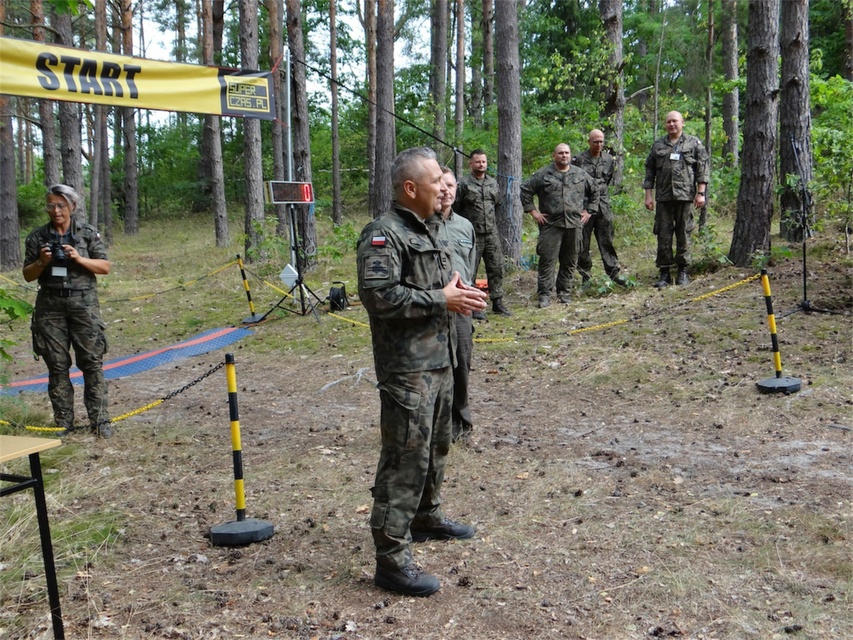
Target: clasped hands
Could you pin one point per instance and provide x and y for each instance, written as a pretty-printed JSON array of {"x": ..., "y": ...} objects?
[{"x": 462, "y": 298}]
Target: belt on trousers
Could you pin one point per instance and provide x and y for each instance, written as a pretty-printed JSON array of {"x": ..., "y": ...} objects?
[{"x": 65, "y": 293}]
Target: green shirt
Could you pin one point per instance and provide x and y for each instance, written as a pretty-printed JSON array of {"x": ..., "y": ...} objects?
[
  {"x": 456, "y": 235},
  {"x": 674, "y": 169},
  {"x": 401, "y": 271},
  {"x": 478, "y": 200},
  {"x": 563, "y": 195},
  {"x": 601, "y": 169}
]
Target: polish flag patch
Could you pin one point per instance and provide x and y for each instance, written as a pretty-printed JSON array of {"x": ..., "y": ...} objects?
[{"x": 378, "y": 241}]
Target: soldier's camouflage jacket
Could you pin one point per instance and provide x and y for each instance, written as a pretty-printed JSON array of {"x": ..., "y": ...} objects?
[
  {"x": 478, "y": 200},
  {"x": 601, "y": 169},
  {"x": 673, "y": 169},
  {"x": 401, "y": 271},
  {"x": 563, "y": 195},
  {"x": 83, "y": 237}
]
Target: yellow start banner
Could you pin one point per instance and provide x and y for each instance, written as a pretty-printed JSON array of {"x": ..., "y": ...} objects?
[{"x": 51, "y": 72}]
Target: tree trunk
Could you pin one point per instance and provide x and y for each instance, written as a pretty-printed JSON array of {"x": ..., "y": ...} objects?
[
  {"x": 848, "y": 41},
  {"x": 438, "y": 65},
  {"x": 509, "y": 128},
  {"x": 50, "y": 157},
  {"x": 128, "y": 117},
  {"x": 614, "y": 97},
  {"x": 488, "y": 57},
  {"x": 337, "y": 209},
  {"x": 751, "y": 233},
  {"x": 795, "y": 149},
  {"x": 459, "y": 113},
  {"x": 386, "y": 135},
  {"x": 71, "y": 145},
  {"x": 709, "y": 71},
  {"x": 731, "y": 98},
  {"x": 10, "y": 241},
  {"x": 474, "y": 104},
  {"x": 252, "y": 160},
  {"x": 369, "y": 23},
  {"x": 214, "y": 141},
  {"x": 100, "y": 128},
  {"x": 307, "y": 229},
  {"x": 275, "y": 8}
]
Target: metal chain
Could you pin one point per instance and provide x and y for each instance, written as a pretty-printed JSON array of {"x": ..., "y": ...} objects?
[{"x": 195, "y": 382}]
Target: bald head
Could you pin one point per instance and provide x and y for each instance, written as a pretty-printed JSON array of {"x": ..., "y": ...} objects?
[
  {"x": 562, "y": 156},
  {"x": 674, "y": 124},
  {"x": 596, "y": 142}
]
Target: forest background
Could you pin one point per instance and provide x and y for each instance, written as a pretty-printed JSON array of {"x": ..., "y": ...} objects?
[
  {"x": 667, "y": 498},
  {"x": 512, "y": 78}
]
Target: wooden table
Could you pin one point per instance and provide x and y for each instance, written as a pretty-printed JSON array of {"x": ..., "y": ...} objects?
[{"x": 12, "y": 448}]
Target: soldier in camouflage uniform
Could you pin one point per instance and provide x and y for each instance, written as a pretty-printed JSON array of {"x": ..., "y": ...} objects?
[
  {"x": 568, "y": 197},
  {"x": 456, "y": 235},
  {"x": 66, "y": 310},
  {"x": 677, "y": 170},
  {"x": 477, "y": 199},
  {"x": 600, "y": 165},
  {"x": 410, "y": 293}
]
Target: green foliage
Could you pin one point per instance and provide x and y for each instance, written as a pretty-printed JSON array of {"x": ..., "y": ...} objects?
[
  {"x": 31, "y": 200},
  {"x": 168, "y": 160},
  {"x": 14, "y": 309},
  {"x": 832, "y": 105},
  {"x": 711, "y": 251},
  {"x": 777, "y": 253},
  {"x": 600, "y": 284},
  {"x": 343, "y": 241},
  {"x": 826, "y": 34},
  {"x": 564, "y": 71},
  {"x": 271, "y": 246}
]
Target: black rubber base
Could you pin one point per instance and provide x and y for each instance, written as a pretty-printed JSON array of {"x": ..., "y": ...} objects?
[
  {"x": 238, "y": 533},
  {"x": 785, "y": 384}
]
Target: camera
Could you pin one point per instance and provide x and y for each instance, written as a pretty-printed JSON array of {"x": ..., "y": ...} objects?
[{"x": 57, "y": 252}]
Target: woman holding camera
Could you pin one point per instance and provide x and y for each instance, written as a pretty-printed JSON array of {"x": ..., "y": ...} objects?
[{"x": 65, "y": 255}]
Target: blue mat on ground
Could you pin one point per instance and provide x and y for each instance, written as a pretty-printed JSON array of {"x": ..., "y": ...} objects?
[{"x": 122, "y": 367}]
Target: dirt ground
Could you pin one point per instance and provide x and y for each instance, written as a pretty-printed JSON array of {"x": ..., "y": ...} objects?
[{"x": 627, "y": 482}]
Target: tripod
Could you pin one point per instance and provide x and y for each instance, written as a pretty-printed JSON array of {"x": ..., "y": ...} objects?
[
  {"x": 805, "y": 201},
  {"x": 306, "y": 304}
]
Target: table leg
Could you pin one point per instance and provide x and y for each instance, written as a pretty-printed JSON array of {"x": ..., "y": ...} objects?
[{"x": 47, "y": 548}]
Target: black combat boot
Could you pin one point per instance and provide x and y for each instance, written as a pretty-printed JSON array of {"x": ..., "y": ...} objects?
[
  {"x": 682, "y": 277},
  {"x": 665, "y": 279},
  {"x": 499, "y": 308},
  {"x": 410, "y": 581},
  {"x": 444, "y": 530}
]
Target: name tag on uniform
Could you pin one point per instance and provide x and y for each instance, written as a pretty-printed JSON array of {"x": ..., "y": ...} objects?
[
  {"x": 675, "y": 156},
  {"x": 59, "y": 272}
]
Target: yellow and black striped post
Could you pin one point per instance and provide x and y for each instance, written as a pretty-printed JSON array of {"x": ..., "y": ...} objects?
[
  {"x": 240, "y": 531},
  {"x": 252, "y": 319},
  {"x": 779, "y": 383}
]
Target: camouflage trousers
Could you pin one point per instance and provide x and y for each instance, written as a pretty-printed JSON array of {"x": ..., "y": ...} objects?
[
  {"x": 490, "y": 252},
  {"x": 557, "y": 244},
  {"x": 462, "y": 424},
  {"x": 602, "y": 227},
  {"x": 673, "y": 218},
  {"x": 415, "y": 421},
  {"x": 58, "y": 325}
]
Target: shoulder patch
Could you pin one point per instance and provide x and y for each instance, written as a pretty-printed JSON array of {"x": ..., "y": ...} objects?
[
  {"x": 377, "y": 267},
  {"x": 377, "y": 241}
]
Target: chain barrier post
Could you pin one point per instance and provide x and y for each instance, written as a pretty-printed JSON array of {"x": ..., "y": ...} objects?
[
  {"x": 779, "y": 383},
  {"x": 254, "y": 318},
  {"x": 241, "y": 531}
]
